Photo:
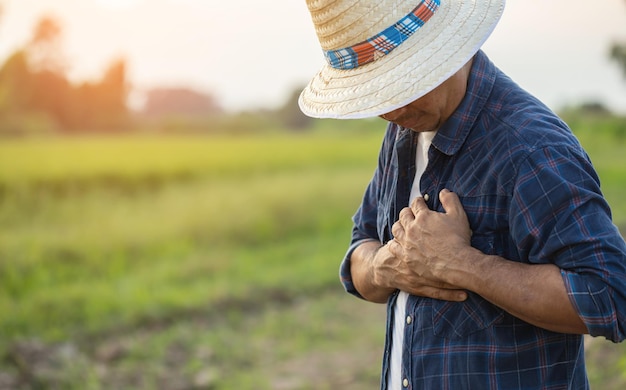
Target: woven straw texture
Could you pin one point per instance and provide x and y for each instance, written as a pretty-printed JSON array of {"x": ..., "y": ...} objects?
[{"x": 427, "y": 58}]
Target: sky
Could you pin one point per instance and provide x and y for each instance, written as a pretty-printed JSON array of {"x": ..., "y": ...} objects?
[{"x": 253, "y": 54}]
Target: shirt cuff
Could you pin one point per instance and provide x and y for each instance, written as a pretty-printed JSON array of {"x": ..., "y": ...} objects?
[
  {"x": 344, "y": 269},
  {"x": 592, "y": 300}
]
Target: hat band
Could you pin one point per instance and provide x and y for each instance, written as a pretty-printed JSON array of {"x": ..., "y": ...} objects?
[{"x": 383, "y": 43}]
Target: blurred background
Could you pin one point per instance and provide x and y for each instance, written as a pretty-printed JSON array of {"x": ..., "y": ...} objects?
[{"x": 170, "y": 220}]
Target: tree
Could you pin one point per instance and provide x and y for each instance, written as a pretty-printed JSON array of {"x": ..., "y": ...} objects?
[
  {"x": 16, "y": 84},
  {"x": 179, "y": 101},
  {"x": 291, "y": 115},
  {"x": 618, "y": 54},
  {"x": 52, "y": 94},
  {"x": 51, "y": 91},
  {"x": 102, "y": 104},
  {"x": 44, "y": 49},
  {"x": 33, "y": 84},
  {"x": 112, "y": 94}
]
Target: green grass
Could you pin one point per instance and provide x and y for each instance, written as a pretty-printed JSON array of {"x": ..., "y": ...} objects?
[
  {"x": 145, "y": 160},
  {"x": 605, "y": 141},
  {"x": 85, "y": 257},
  {"x": 83, "y": 262}
]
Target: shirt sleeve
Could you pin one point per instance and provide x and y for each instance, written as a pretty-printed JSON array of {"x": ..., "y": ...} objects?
[
  {"x": 365, "y": 220},
  {"x": 559, "y": 216}
]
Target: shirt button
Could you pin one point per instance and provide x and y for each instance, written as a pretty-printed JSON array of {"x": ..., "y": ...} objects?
[
  {"x": 426, "y": 197},
  {"x": 405, "y": 382},
  {"x": 409, "y": 320}
]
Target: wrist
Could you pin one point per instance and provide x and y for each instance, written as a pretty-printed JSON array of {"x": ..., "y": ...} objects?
[
  {"x": 365, "y": 272},
  {"x": 471, "y": 265},
  {"x": 380, "y": 257}
]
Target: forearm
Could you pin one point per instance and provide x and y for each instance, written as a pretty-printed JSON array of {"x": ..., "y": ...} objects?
[
  {"x": 533, "y": 293},
  {"x": 362, "y": 271}
]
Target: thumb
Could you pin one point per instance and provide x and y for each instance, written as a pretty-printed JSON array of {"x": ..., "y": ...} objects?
[{"x": 451, "y": 202}]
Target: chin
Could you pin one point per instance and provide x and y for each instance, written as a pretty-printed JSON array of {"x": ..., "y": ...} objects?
[{"x": 422, "y": 129}]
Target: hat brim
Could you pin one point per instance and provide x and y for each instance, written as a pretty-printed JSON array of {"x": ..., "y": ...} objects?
[{"x": 421, "y": 63}]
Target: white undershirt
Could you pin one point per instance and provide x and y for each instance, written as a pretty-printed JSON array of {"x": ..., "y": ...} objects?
[{"x": 394, "y": 380}]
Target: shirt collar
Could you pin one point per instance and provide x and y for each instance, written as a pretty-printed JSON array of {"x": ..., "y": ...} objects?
[{"x": 453, "y": 133}]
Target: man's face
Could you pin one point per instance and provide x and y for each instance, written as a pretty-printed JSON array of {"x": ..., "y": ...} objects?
[{"x": 430, "y": 111}]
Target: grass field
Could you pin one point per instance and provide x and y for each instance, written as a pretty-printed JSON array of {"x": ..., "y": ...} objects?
[{"x": 141, "y": 262}]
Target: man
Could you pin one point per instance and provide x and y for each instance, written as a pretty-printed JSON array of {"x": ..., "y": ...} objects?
[{"x": 484, "y": 227}]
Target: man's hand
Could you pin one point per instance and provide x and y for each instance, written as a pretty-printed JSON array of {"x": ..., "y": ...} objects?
[
  {"x": 431, "y": 256},
  {"x": 425, "y": 245}
]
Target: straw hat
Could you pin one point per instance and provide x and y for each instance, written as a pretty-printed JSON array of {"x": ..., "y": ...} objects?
[{"x": 383, "y": 54}]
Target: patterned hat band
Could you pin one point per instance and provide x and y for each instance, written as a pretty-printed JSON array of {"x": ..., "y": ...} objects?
[{"x": 383, "y": 43}]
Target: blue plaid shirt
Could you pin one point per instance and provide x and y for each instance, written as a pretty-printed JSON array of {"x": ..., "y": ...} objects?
[{"x": 531, "y": 195}]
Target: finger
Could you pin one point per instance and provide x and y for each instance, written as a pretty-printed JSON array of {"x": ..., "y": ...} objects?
[
  {"x": 397, "y": 230},
  {"x": 394, "y": 248},
  {"x": 406, "y": 216},
  {"x": 419, "y": 205},
  {"x": 451, "y": 202},
  {"x": 441, "y": 294}
]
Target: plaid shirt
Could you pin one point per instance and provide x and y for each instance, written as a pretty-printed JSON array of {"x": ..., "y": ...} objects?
[{"x": 531, "y": 195}]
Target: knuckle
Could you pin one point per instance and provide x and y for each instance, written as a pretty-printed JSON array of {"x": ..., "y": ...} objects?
[
  {"x": 396, "y": 248},
  {"x": 406, "y": 212}
]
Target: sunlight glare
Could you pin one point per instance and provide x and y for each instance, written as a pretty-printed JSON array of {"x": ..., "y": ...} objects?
[{"x": 117, "y": 3}]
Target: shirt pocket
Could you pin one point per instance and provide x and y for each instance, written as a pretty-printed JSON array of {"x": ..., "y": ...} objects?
[{"x": 456, "y": 320}]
